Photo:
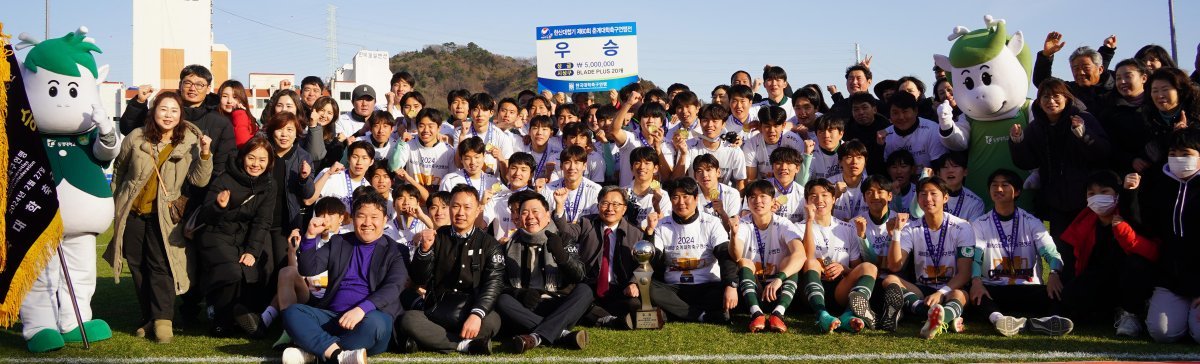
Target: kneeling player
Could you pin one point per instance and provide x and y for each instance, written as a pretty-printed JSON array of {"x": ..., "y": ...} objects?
[
  {"x": 769, "y": 261},
  {"x": 835, "y": 263}
]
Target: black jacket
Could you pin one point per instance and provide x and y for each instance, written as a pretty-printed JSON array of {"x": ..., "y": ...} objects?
[
  {"x": 867, "y": 134},
  {"x": 296, "y": 189},
  {"x": 1171, "y": 210},
  {"x": 206, "y": 116},
  {"x": 589, "y": 234},
  {"x": 566, "y": 258},
  {"x": 388, "y": 273},
  {"x": 1064, "y": 160},
  {"x": 239, "y": 228},
  {"x": 1126, "y": 124},
  {"x": 1159, "y": 128},
  {"x": 1091, "y": 96},
  {"x": 474, "y": 265}
]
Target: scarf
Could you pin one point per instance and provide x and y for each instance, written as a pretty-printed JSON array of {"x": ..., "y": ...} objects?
[{"x": 536, "y": 268}]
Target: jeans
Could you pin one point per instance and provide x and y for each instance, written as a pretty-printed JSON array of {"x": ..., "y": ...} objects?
[{"x": 314, "y": 329}]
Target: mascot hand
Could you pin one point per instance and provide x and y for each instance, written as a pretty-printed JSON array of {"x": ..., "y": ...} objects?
[
  {"x": 945, "y": 115},
  {"x": 101, "y": 119},
  {"x": 1015, "y": 133}
]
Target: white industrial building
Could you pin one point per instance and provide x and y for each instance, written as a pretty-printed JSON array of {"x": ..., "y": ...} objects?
[
  {"x": 170, "y": 34},
  {"x": 367, "y": 67}
]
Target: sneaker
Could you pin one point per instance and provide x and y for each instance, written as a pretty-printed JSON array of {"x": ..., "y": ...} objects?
[
  {"x": 933, "y": 324},
  {"x": 356, "y": 356},
  {"x": 827, "y": 323},
  {"x": 775, "y": 324},
  {"x": 893, "y": 308},
  {"x": 284, "y": 341},
  {"x": 860, "y": 304},
  {"x": 1009, "y": 326},
  {"x": 297, "y": 356},
  {"x": 758, "y": 323},
  {"x": 1052, "y": 326},
  {"x": 956, "y": 325},
  {"x": 249, "y": 322},
  {"x": 1128, "y": 324}
]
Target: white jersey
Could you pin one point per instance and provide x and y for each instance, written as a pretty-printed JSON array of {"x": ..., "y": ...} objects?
[
  {"x": 731, "y": 161},
  {"x": 767, "y": 248},
  {"x": 825, "y": 164},
  {"x": 429, "y": 164},
  {"x": 758, "y": 153},
  {"x": 341, "y": 186},
  {"x": 460, "y": 177},
  {"x": 785, "y": 103},
  {"x": 580, "y": 201},
  {"x": 879, "y": 239},
  {"x": 688, "y": 249},
  {"x": 346, "y": 124},
  {"x": 742, "y": 127},
  {"x": 408, "y": 231},
  {"x": 497, "y": 214},
  {"x": 593, "y": 168},
  {"x": 546, "y": 161},
  {"x": 385, "y": 151},
  {"x": 729, "y": 198},
  {"x": 925, "y": 143},
  {"x": 1011, "y": 262},
  {"x": 850, "y": 203},
  {"x": 645, "y": 204},
  {"x": 492, "y": 138},
  {"x": 935, "y": 253},
  {"x": 673, "y": 128},
  {"x": 967, "y": 205},
  {"x": 790, "y": 199},
  {"x": 902, "y": 202},
  {"x": 633, "y": 140},
  {"x": 836, "y": 243}
]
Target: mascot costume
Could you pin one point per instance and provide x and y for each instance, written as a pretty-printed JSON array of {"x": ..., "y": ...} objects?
[
  {"x": 990, "y": 71},
  {"x": 61, "y": 80}
]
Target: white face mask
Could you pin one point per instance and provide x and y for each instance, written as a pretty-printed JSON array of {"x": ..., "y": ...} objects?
[
  {"x": 1102, "y": 204},
  {"x": 1182, "y": 167}
]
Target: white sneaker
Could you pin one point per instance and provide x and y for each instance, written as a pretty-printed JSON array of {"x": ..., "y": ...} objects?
[
  {"x": 358, "y": 356},
  {"x": 1127, "y": 324},
  {"x": 297, "y": 356}
]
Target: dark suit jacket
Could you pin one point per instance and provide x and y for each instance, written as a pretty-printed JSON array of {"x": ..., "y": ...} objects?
[
  {"x": 388, "y": 273},
  {"x": 589, "y": 234}
]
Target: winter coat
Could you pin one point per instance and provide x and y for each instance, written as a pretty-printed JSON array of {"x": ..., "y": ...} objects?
[
  {"x": 239, "y": 228},
  {"x": 1064, "y": 160}
]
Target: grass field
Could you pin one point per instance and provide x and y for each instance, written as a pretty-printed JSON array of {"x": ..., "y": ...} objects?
[{"x": 678, "y": 342}]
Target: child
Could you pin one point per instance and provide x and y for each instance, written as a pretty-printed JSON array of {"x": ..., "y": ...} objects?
[
  {"x": 952, "y": 168},
  {"x": 497, "y": 143},
  {"x": 943, "y": 248},
  {"x": 580, "y": 192},
  {"x": 772, "y": 133},
  {"x": 496, "y": 210},
  {"x": 826, "y": 163},
  {"x": 470, "y": 156},
  {"x": 733, "y": 162},
  {"x": 770, "y": 253},
  {"x": 648, "y": 201},
  {"x": 852, "y": 156},
  {"x": 835, "y": 264},
  {"x": 544, "y": 147},
  {"x": 716, "y": 198},
  {"x": 430, "y": 159},
  {"x": 340, "y": 181}
]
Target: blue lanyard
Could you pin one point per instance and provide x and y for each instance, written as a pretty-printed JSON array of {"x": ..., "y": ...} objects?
[
  {"x": 488, "y": 138},
  {"x": 1008, "y": 243},
  {"x": 644, "y": 142},
  {"x": 762, "y": 246},
  {"x": 350, "y": 189},
  {"x": 959, "y": 205},
  {"x": 541, "y": 163},
  {"x": 573, "y": 211},
  {"x": 936, "y": 256},
  {"x": 779, "y": 187},
  {"x": 478, "y": 190}
]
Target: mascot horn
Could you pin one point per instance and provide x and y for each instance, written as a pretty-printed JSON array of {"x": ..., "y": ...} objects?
[
  {"x": 990, "y": 71},
  {"x": 61, "y": 79}
]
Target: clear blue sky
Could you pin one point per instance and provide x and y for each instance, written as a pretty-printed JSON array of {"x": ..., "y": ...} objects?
[{"x": 699, "y": 43}]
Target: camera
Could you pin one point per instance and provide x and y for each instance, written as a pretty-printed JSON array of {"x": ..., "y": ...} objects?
[{"x": 730, "y": 137}]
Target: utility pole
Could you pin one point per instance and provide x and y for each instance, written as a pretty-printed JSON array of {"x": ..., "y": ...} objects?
[
  {"x": 1171, "y": 14},
  {"x": 857, "y": 54},
  {"x": 47, "y": 35},
  {"x": 331, "y": 37}
]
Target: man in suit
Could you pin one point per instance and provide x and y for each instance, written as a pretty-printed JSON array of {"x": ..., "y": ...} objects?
[{"x": 606, "y": 250}]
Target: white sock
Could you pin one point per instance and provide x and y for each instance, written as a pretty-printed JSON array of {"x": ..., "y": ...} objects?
[
  {"x": 462, "y": 345},
  {"x": 995, "y": 316},
  {"x": 755, "y": 310},
  {"x": 565, "y": 333},
  {"x": 701, "y": 318},
  {"x": 268, "y": 315},
  {"x": 779, "y": 310}
]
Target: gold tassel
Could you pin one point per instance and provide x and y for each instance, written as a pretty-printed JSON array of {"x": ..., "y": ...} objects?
[{"x": 5, "y": 76}]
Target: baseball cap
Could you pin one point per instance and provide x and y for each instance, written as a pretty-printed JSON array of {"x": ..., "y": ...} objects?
[{"x": 363, "y": 90}]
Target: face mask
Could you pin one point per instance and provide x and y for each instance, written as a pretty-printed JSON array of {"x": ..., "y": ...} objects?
[
  {"x": 1102, "y": 204},
  {"x": 1182, "y": 167}
]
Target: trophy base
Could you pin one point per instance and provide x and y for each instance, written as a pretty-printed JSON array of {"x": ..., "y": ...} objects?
[{"x": 646, "y": 319}]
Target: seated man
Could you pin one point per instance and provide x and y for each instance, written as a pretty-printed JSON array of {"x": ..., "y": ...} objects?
[
  {"x": 542, "y": 299},
  {"x": 770, "y": 254},
  {"x": 366, "y": 273},
  {"x": 606, "y": 249},
  {"x": 462, "y": 269},
  {"x": 695, "y": 279}
]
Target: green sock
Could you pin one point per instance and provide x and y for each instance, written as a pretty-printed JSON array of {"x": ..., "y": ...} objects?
[
  {"x": 914, "y": 303},
  {"x": 864, "y": 284},
  {"x": 748, "y": 288},
  {"x": 785, "y": 295},
  {"x": 814, "y": 290},
  {"x": 951, "y": 310}
]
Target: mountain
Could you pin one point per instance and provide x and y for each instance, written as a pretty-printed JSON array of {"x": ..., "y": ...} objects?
[{"x": 441, "y": 68}]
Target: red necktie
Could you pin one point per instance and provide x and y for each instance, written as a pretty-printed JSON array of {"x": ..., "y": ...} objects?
[{"x": 602, "y": 280}]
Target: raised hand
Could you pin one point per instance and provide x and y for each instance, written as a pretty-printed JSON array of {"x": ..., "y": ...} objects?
[
  {"x": 860, "y": 225},
  {"x": 144, "y": 92},
  {"x": 1132, "y": 181},
  {"x": 101, "y": 119},
  {"x": 317, "y": 226},
  {"x": 205, "y": 145},
  {"x": 945, "y": 115},
  {"x": 223, "y": 199},
  {"x": 305, "y": 169},
  {"x": 1183, "y": 122},
  {"x": 1054, "y": 44},
  {"x": 336, "y": 168},
  {"x": 881, "y": 137},
  {"x": 832, "y": 89},
  {"x": 1015, "y": 134},
  {"x": 810, "y": 147},
  {"x": 1111, "y": 41}
]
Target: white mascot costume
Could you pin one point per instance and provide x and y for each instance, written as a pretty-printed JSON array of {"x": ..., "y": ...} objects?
[{"x": 61, "y": 81}]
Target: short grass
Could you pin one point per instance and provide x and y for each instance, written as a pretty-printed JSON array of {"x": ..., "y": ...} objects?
[{"x": 117, "y": 304}]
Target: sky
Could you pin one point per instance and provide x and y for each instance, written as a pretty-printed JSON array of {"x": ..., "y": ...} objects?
[{"x": 698, "y": 43}]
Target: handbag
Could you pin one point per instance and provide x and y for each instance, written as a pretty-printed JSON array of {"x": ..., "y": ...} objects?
[{"x": 176, "y": 207}]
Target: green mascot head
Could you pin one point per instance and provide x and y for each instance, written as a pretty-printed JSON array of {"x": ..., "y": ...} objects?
[{"x": 989, "y": 69}]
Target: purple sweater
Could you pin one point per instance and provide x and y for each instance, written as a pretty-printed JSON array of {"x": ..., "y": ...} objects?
[{"x": 355, "y": 285}]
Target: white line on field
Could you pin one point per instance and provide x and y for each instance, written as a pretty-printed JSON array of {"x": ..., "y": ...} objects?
[{"x": 1050, "y": 355}]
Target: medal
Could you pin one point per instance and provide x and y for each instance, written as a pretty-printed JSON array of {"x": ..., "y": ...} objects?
[
  {"x": 713, "y": 194},
  {"x": 489, "y": 148},
  {"x": 654, "y": 185},
  {"x": 782, "y": 200}
]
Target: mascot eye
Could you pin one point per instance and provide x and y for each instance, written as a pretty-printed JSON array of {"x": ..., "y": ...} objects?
[
  {"x": 986, "y": 78},
  {"x": 73, "y": 92},
  {"x": 53, "y": 91},
  {"x": 969, "y": 83}
]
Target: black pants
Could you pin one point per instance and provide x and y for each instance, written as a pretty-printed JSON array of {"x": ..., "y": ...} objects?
[
  {"x": 614, "y": 303},
  {"x": 1096, "y": 291},
  {"x": 224, "y": 298},
  {"x": 1029, "y": 299},
  {"x": 1059, "y": 220},
  {"x": 549, "y": 317},
  {"x": 686, "y": 302},
  {"x": 146, "y": 254},
  {"x": 430, "y": 335}
]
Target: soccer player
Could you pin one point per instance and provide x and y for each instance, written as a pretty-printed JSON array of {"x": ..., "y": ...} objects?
[
  {"x": 775, "y": 81},
  {"x": 829, "y": 130},
  {"x": 497, "y": 143},
  {"x": 909, "y": 132},
  {"x": 470, "y": 156},
  {"x": 579, "y": 134},
  {"x": 544, "y": 147},
  {"x": 716, "y": 198},
  {"x": 900, "y": 167},
  {"x": 770, "y": 253},
  {"x": 691, "y": 251},
  {"x": 382, "y": 135},
  {"x": 649, "y": 201},
  {"x": 952, "y": 168},
  {"x": 772, "y": 133},
  {"x": 943, "y": 248},
  {"x": 834, "y": 264},
  {"x": 731, "y": 158},
  {"x": 580, "y": 193},
  {"x": 852, "y": 156},
  {"x": 496, "y": 211},
  {"x": 788, "y": 166},
  {"x": 430, "y": 158},
  {"x": 878, "y": 226},
  {"x": 742, "y": 111},
  {"x": 650, "y": 134},
  {"x": 340, "y": 181}
]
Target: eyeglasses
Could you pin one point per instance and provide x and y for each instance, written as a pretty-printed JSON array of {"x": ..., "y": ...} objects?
[
  {"x": 194, "y": 86},
  {"x": 611, "y": 205}
]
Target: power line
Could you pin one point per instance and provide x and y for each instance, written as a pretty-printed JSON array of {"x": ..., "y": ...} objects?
[{"x": 286, "y": 30}]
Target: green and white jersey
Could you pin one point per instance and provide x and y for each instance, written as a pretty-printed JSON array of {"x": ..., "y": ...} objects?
[
  {"x": 729, "y": 198},
  {"x": 758, "y": 153},
  {"x": 688, "y": 249},
  {"x": 836, "y": 243},
  {"x": 850, "y": 203},
  {"x": 925, "y": 143},
  {"x": 825, "y": 164},
  {"x": 966, "y": 204},
  {"x": 767, "y": 248},
  {"x": 1012, "y": 249},
  {"x": 935, "y": 252},
  {"x": 731, "y": 160},
  {"x": 878, "y": 236}
]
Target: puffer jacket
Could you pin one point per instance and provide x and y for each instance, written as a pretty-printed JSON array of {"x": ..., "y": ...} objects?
[
  {"x": 1064, "y": 160},
  {"x": 239, "y": 228}
]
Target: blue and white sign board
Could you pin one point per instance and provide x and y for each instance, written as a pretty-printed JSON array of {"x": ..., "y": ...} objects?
[{"x": 586, "y": 57}]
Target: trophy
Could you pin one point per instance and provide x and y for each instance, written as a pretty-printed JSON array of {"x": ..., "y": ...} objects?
[{"x": 647, "y": 316}]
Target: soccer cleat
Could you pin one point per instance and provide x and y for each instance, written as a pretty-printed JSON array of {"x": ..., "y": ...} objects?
[
  {"x": 933, "y": 324},
  {"x": 758, "y": 323},
  {"x": 251, "y": 323},
  {"x": 1127, "y": 324},
  {"x": 956, "y": 325},
  {"x": 1052, "y": 326},
  {"x": 1009, "y": 326},
  {"x": 827, "y": 323},
  {"x": 775, "y": 324},
  {"x": 893, "y": 308},
  {"x": 356, "y": 356},
  {"x": 297, "y": 356},
  {"x": 860, "y": 304}
]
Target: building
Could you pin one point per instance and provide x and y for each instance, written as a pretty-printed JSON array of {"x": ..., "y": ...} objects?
[
  {"x": 260, "y": 87},
  {"x": 368, "y": 67},
  {"x": 112, "y": 98},
  {"x": 170, "y": 34}
]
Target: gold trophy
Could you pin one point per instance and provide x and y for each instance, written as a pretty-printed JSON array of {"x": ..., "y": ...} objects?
[{"x": 647, "y": 316}]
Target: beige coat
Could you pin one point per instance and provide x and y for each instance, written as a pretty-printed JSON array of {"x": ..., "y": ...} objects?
[{"x": 132, "y": 169}]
